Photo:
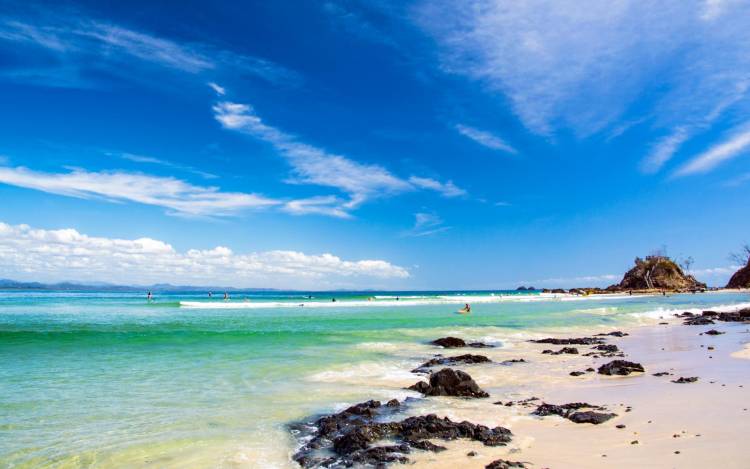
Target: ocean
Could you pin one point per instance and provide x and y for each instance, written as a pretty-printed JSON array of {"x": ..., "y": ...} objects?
[{"x": 96, "y": 379}]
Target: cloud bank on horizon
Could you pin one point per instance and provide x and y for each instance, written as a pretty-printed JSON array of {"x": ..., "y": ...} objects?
[{"x": 37, "y": 254}]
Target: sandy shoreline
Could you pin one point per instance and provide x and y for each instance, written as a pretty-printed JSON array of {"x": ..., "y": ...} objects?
[{"x": 700, "y": 424}]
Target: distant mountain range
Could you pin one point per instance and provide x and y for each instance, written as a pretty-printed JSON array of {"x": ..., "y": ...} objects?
[{"x": 7, "y": 284}]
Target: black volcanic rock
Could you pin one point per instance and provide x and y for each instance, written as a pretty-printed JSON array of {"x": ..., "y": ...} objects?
[
  {"x": 575, "y": 341},
  {"x": 504, "y": 464},
  {"x": 573, "y": 412},
  {"x": 682, "y": 380},
  {"x": 460, "y": 359},
  {"x": 620, "y": 367},
  {"x": 449, "y": 342},
  {"x": 713, "y": 332},
  {"x": 448, "y": 382},
  {"x": 566, "y": 350},
  {"x": 352, "y": 437}
]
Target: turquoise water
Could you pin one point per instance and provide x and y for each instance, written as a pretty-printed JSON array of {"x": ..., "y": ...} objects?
[{"x": 90, "y": 379}]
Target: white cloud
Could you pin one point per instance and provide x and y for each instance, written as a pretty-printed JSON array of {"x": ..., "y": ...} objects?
[
  {"x": 82, "y": 44},
  {"x": 220, "y": 90},
  {"x": 730, "y": 148},
  {"x": 485, "y": 138},
  {"x": 447, "y": 189},
  {"x": 584, "y": 64},
  {"x": 664, "y": 150},
  {"x": 426, "y": 224},
  {"x": 53, "y": 255},
  {"x": 167, "y": 164},
  {"x": 179, "y": 197},
  {"x": 313, "y": 165},
  {"x": 321, "y": 205}
]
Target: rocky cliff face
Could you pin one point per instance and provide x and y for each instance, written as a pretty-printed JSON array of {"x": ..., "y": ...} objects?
[
  {"x": 657, "y": 273},
  {"x": 741, "y": 278}
]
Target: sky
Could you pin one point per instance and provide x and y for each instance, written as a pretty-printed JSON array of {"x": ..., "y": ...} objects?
[{"x": 386, "y": 144}]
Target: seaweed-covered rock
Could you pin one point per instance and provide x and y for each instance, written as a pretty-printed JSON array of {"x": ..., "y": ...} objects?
[
  {"x": 466, "y": 359},
  {"x": 620, "y": 367},
  {"x": 448, "y": 382}
]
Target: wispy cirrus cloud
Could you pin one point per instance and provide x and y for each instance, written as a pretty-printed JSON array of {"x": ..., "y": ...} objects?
[
  {"x": 316, "y": 166},
  {"x": 664, "y": 150},
  {"x": 737, "y": 144},
  {"x": 485, "y": 138},
  {"x": 76, "y": 46},
  {"x": 175, "y": 195},
  {"x": 586, "y": 65},
  {"x": 426, "y": 224},
  {"x": 160, "y": 162},
  {"x": 66, "y": 254}
]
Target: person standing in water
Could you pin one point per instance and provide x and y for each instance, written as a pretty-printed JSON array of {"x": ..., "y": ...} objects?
[
  {"x": 226, "y": 296},
  {"x": 149, "y": 296},
  {"x": 210, "y": 294}
]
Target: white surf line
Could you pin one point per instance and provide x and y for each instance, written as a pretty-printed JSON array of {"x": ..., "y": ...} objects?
[{"x": 440, "y": 300}]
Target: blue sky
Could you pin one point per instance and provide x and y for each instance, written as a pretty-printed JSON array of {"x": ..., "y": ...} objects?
[{"x": 427, "y": 145}]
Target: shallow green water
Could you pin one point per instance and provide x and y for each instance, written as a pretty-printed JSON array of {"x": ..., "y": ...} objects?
[{"x": 93, "y": 379}]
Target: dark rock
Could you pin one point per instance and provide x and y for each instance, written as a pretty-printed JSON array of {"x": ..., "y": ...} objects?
[
  {"x": 471, "y": 454},
  {"x": 607, "y": 348},
  {"x": 480, "y": 345},
  {"x": 741, "y": 278},
  {"x": 460, "y": 359},
  {"x": 682, "y": 380},
  {"x": 568, "y": 350},
  {"x": 589, "y": 370},
  {"x": 620, "y": 426},
  {"x": 614, "y": 333},
  {"x": 448, "y": 382},
  {"x": 504, "y": 464},
  {"x": 426, "y": 445},
  {"x": 620, "y": 367},
  {"x": 577, "y": 373},
  {"x": 572, "y": 412},
  {"x": 449, "y": 342},
  {"x": 713, "y": 332},
  {"x": 512, "y": 361},
  {"x": 590, "y": 417},
  {"x": 662, "y": 373},
  {"x": 736, "y": 316},
  {"x": 575, "y": 341},
  {"x": 698, "y": 321},
  {"x": 710, "y": 313},
  {"x": 351, "y": 436}
]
